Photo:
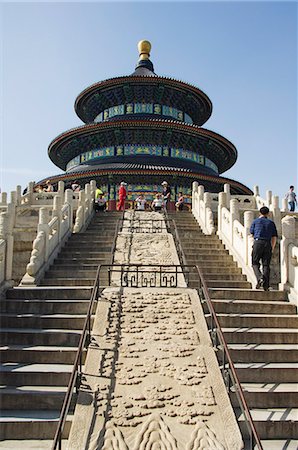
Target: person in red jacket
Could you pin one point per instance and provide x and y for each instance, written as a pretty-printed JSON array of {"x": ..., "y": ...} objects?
[{"x": 122, "y": 196}]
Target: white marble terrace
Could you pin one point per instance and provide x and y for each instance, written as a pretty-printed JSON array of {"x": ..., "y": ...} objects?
[{"x": 51, "y": 217}]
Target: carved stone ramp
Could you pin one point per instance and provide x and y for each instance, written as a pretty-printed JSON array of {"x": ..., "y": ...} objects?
[{"x": 151, "y": 377}]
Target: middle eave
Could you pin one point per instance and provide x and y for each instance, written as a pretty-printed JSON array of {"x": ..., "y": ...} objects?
[{"x": 172, "y": 133}]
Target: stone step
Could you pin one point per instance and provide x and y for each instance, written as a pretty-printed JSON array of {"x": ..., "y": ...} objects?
[
  {"x": 41, "y": 293},
  {"x": 277, "y": 444},
  {"x": 97, "y": 232},
  {"x": 247, "y": 294},
  {"x": 29, "y": 336},
  {"x": 212, "y": 264},
  {"x": 56, "y": 272},
  {"x": 263, "y": 353},
  {"x": 20, "y": 306},
  {"x": 281, "y": 423},
  {"x": 211, "y": 253},
  {"x": 258, "y": 320},
  {"x": 197, "y": 239},
  {"x": 68, "y": 281},
  {"x": 267, "y": 372},
  {"x": 29, "y": 444},
  {"x": 92, "y": 245},
  {"x": 31, "y": 397},
  {"x": 223, "y": 276},
  {"x": 252, "y": 307},
  {"x": 200, "y": 244},
  {"x": 16, "y": 374},
  {"x": 39, "y": 354},
  {"x": 82, "y": 254},
  {"x": 78, "y": 265},
  {"x": 233, "y": 284},
  {"x": 31, "y": 424},
  {"x": 261, "y": 335},
  {"x": 220, "y": 270},
  {"x": 50, "y": 321},
  {"x": 257, "y": 396},
  {"x": 200, "y": 258},
  {"x": 77, "y": 262}
]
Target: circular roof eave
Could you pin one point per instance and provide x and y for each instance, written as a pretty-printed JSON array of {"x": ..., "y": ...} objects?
[
  {"x": 122, "y": 172},
  {"x": 111, "y": 83},
  {"x": 215, "y": 141}
]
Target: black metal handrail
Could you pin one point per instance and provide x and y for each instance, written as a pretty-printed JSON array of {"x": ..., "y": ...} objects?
[
  {"x": 143, "y": 225},
  {"x": 76, "y": 374},
  {"x": 118, "y": 228},
  {"x": 148, "y": 275},
  {"x": 217, "y": 336},
  {"x": 228, "y": 370}
]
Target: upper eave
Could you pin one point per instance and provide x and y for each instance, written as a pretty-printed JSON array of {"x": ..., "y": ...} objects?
[
  {"x": 71, "y": 143},
  {"x": 164, "y": 90}
]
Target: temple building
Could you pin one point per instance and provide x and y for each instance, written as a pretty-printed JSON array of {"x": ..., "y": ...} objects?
[{"x": 144, "y": 129}]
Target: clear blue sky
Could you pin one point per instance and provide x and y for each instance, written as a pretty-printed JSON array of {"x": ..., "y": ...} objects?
[{"x": 243, "y": 55}]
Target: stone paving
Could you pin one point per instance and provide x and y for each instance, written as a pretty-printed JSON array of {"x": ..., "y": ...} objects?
[{"x": 151, "y": 377}]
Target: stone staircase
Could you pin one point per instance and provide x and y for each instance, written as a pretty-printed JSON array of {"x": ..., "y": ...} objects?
[
  {"x": 41, "y": 327},
  {"x": 261, "y": 331}
]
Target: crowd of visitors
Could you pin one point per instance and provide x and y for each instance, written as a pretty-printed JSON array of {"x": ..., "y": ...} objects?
[{"x": 159, "y": 203}]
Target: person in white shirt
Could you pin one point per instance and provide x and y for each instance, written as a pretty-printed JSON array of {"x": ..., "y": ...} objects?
[
  {"x": 100, "y": 203},
  {"x": 292, "y": 199},
  {"x": 157, "y": 203},
  {"x": 49, "y": 187},
  {"x": 141, "y": 202},
  {"x": 75, "y": 186}
]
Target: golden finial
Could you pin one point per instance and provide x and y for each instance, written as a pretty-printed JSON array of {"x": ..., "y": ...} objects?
[{"x": 144, "y": 48}]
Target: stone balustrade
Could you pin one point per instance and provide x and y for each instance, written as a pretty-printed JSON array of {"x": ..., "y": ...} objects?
[
  {"x": 235, "y": 213},
  {"x": 289, "y": 259},
  {"x": 60, "y": 213},
  {"x": 202, "y": 208},
  {"x": 51, "y": 215},
  {"x": 235, "y": 235}
]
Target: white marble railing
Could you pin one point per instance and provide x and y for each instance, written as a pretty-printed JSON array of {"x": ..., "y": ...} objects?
[
  {"x": 235, "y": 214},
  {"x": 289, "y": 259},
  {"x": 202, "y": 208},
  {"x": 235, "y": 235},
  {"x": 52, "y": 233},
  {"x": 59, "y": 215},
  {"x": 2, "y": 260},
  {"x": 85, "y": 207}
]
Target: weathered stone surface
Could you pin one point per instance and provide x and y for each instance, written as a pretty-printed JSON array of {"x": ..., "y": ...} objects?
[{"x": 151, "y": 376}]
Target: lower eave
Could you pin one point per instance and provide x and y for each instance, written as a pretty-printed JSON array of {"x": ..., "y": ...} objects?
[{"x": 156, "y": 172}]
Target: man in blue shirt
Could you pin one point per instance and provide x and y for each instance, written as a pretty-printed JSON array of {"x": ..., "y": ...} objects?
[{"x": 265, "y": 236}]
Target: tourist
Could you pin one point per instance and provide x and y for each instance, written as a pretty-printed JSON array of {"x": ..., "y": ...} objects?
[
  {"x": 98, "y": 191},
  {"x": 292, "y": 199},
  {"x": 49, "y": 187},
  {"x": 265, "y": 236},
  {"x": 38, "y": 189},
  {"x": 166, "y": 192},
  {"x": 140, "y": 202},
  {"x": 158, "y": 203},
  {"x": 122, "y": 196},
  {"x": 100, "y": 203},
  {"x": 75, "y": 186},
  {"x": 180, "y": 202}
]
